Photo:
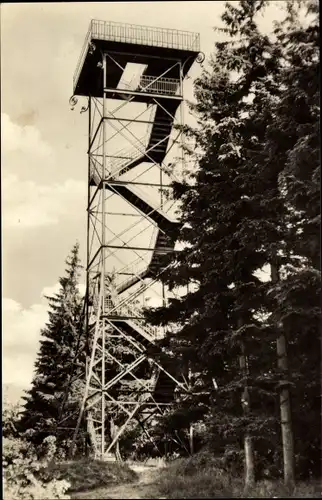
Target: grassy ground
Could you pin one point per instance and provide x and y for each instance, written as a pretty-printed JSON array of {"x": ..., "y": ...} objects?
[
  {"x": 184, "y": 478},
  {"x": 88, "y": 474},
  {"x": 143, "y": 487}
]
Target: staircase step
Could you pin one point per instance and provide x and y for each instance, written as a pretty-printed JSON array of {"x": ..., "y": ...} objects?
[{"x": 153, "y": 213}]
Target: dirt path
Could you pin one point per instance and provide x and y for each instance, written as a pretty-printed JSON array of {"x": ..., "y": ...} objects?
[{"x": 142, "y": 488}]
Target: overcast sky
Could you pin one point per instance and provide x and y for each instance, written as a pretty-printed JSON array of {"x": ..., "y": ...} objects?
[{"x": 44, "y": 144}]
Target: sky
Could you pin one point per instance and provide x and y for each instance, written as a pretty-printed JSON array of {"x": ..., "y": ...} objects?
[{"x": 43, "y": 145}]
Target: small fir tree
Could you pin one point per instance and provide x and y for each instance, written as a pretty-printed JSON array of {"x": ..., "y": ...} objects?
[{"x": 48, "y": 409}]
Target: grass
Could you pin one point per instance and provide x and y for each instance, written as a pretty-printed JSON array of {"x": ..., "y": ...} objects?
[
  {"x": 88, "y": 474},
  {"x": 193, "y": 478}
]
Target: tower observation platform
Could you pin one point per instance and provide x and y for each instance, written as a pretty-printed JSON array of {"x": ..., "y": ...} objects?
[
  {"x": 133, "y": 79},
  {"x": 154, "y": 47}
]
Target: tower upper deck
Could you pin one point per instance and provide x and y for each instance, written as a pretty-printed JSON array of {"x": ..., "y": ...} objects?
[{"x": 154, "y": 47}]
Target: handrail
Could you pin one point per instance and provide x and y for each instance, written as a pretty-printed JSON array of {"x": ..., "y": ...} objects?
[
  {"x": 140, "y": 193},
  {"x": 124, "y": 269},
  {"x": 121, "y": 158},
  {"x": 137, "y": 34},
  {"x": 83, "y": 55},
  {"x": 136, "y": 272},
  {"x": 152, "y": 84},
  {"x": 134, "y": 314},
  {"x": 138, "y": 266},
  {"x": 128, "y": 154},
  {"x": 145, "y": 35}
]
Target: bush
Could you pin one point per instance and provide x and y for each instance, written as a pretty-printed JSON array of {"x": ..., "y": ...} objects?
[
  {"x": 87, "y": 474},
  {"x": 10, "y": 416},
  {"x": 24, "y": 476},
  {"x": 231, "y": 462},
  {"x": 207, "y": 476}
]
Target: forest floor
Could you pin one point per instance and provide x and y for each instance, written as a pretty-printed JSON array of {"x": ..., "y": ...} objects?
[
  {"x": 183, "y": 478},
  {"x": 143, "y": 487}
]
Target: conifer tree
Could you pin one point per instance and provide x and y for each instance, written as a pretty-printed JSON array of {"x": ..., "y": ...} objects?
[
  {"x": 226, "y": 228},
  {"x": 293, "y": 141},
  {"x": 60, "y": 363},
  {"x": 236, "y": 216}
]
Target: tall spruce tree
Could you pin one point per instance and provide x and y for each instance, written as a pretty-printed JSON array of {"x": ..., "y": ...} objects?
[
  {"x": 54, "y": 395},
  {"x": 230, "y": 233},
  {"x": 236, "y": 219},
  {"x": 293, "y": 141}
]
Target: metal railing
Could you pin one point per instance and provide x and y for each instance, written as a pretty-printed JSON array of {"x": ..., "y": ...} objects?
[
  {"x": 156, "y": 85},
  {"x": 137, "y": 34},
  {"x": 151, "y": 84},
  {"x": 136, "y": 264},
  {"x": 131, "y": 313},
  {"x": 82, "y": 56},
  {"x": 120, "y": 159},
  {"x": 132, "y": 85},
  {"x": 139, "y": 265},
  {"x": 133, "y": 271},
  {"x": 127, "y": 155},
  {"x": 154, "y": 332}
]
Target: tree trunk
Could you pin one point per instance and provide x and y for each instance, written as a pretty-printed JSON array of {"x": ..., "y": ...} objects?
[
  {"x": 248, "y": 442},
  {"x": 191, "y": 439},
  {"x": 285, "y": 402},
  {"x": 191, "y": 425}
]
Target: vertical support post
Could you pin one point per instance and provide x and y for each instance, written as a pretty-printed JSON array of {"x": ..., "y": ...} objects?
[
  {"x": 103, "y": 267},
  {"x": 87, "y": 353},
  {"x": 161, "y": 206},
  {"x": 182, "y": 119}
]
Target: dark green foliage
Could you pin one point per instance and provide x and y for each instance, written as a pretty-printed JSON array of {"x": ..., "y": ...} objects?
[
  {"x": 207, "y": 476},
  {"x": 297, "y": 296},
  {"x": 230, "y": 230},
  {"x": 87, "y": 474},
  {"x": 60, "y": 364},
  {"x": 253, "y": 201}
]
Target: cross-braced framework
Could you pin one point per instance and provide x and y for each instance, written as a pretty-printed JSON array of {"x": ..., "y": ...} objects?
[{"x": 133, "y": 77}]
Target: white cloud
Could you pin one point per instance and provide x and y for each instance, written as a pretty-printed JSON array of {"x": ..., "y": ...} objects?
[
  {"x": 20, "y": 339},
  {"x": 26, "y": 139},
  {"x": 27, "y": 204},
  {"x": 49, "y": 291},
  {"x": 52, "y": 290},
  {"x": 21, "y": 334}
]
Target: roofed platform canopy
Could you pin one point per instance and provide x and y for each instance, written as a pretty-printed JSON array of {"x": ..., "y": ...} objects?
[{"x": 158, "y": 53}]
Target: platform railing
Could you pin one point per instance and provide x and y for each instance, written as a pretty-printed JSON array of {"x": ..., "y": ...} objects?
[
  {"x": 151, "y": 84},
  {"x": 145, "y": 35},
  {"x": 167, "y": 86},
  {"x": 82, "y": 56},
  {"x": 137, "y": 34}
]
